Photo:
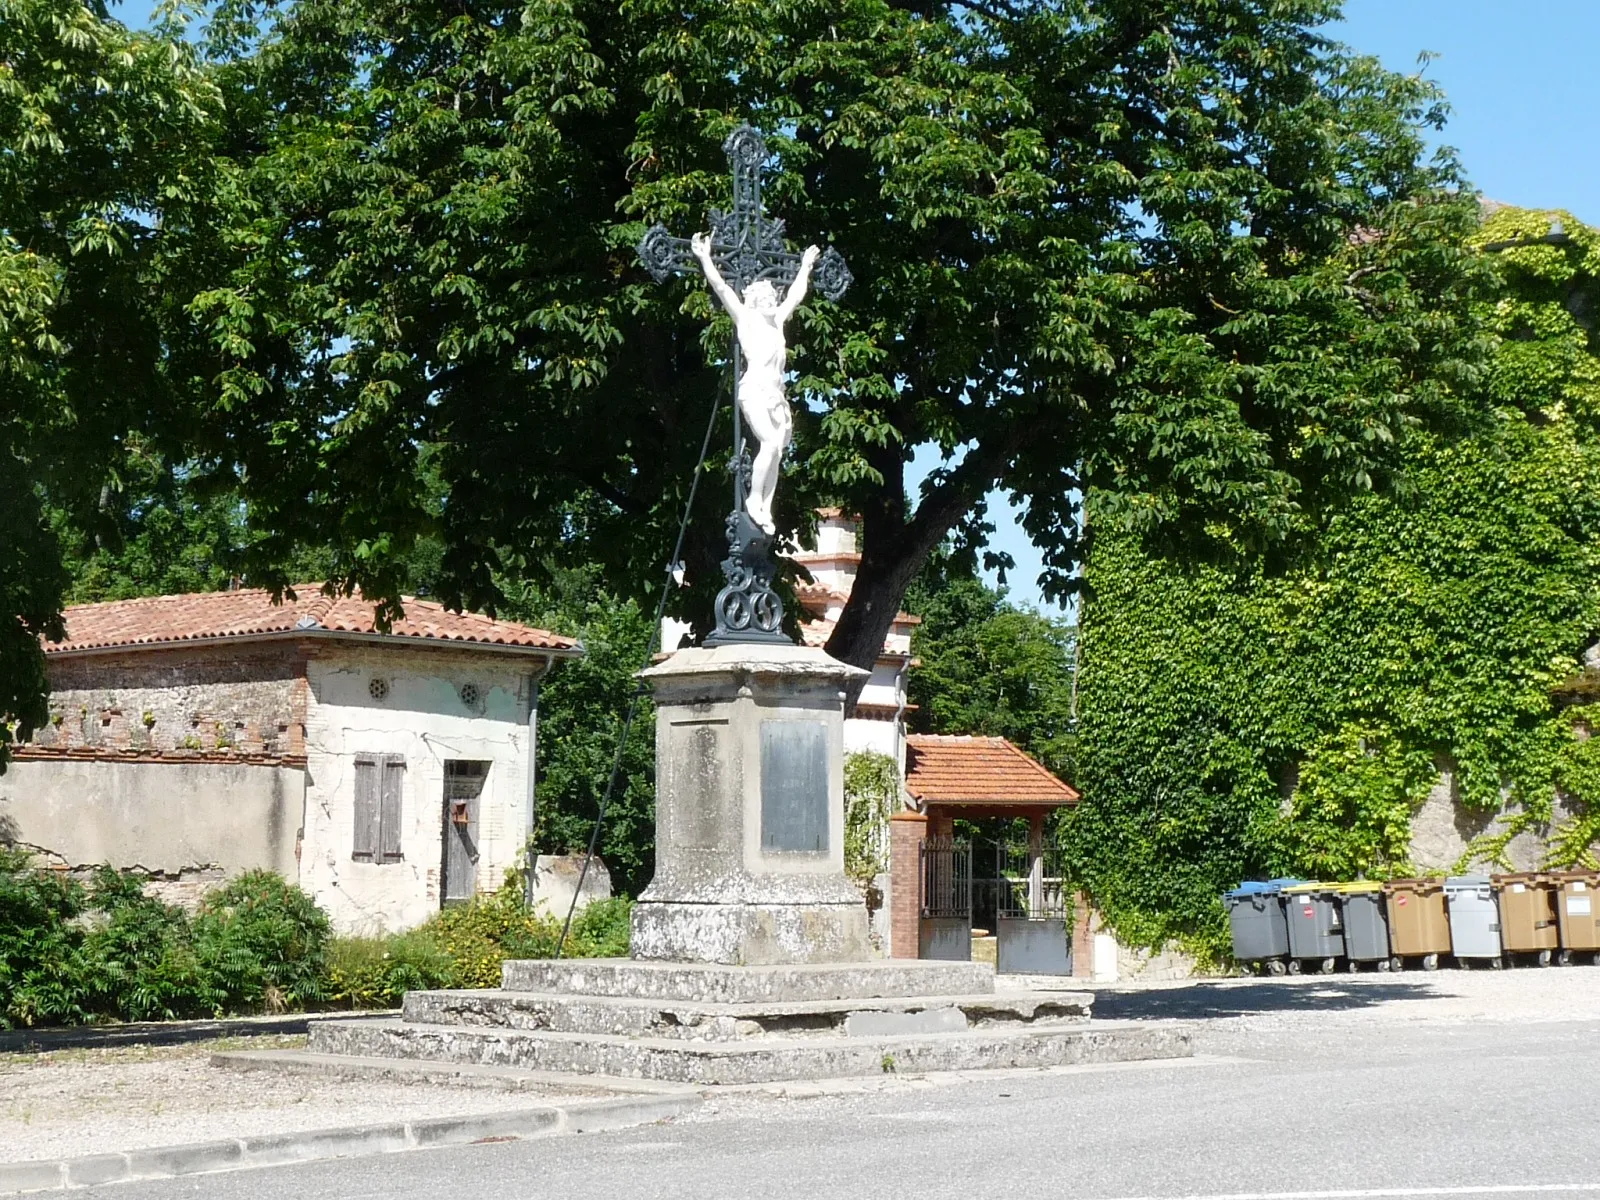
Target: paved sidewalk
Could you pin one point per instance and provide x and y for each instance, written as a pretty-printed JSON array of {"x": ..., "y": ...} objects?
[{"x": 76, "y": 1102}]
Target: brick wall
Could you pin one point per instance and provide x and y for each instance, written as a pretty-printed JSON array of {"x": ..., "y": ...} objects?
[
  {"x": 906, "y": 832},
  {"x": 246, "y": 701}
]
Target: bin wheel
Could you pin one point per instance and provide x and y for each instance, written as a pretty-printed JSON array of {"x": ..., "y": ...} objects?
[
  {"x": 1496, "y": 963},
  {"x": 1388, "y": 964},
  {"x": 1275, "y": 966},
  {"x": 1327, "y": 966},
  {"x": 1353, "y": 967},
  {"x": 1397, "y": 963},
  {"x": 1564, "y": 959},
  {"x": 1544, "y": 958},
  {"x": 1430, "y": 962},
  {"x": 1294, "y": 966}
]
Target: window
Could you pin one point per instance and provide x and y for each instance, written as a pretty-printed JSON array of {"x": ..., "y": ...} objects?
[{"x": 379, "y": 779}]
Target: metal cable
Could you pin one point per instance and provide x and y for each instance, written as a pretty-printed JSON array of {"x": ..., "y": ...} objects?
[{"x": 640, "y": 691}]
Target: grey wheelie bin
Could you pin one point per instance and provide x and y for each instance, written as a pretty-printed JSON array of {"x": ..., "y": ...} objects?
[
  {"x": 1316, "y": 931},
  {"x": 1474, "y": 919},
  {"x": 1366, "y": 924},
  {"x": 1255, "y": 917}
]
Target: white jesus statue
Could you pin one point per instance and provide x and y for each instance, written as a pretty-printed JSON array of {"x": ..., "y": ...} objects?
[{"x": 758, "y": 320}]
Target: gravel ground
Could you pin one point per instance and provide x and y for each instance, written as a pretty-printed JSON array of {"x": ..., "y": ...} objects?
[{"x": 70, "y": 1102}]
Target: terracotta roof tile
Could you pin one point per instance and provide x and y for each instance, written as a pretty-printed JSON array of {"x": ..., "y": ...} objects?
[
  {"x": 250, "y": 612},
  {"x": 979, "y": 770}
]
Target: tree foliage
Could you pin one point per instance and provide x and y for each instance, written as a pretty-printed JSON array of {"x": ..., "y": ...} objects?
[
  {"x": 582, "y": 709},
  {"x": 1241, "y": 720},
  {"x": 1185, "y": 253},
  {"x": 106, "y": 136},
  {"x": 988, "y": 667}
]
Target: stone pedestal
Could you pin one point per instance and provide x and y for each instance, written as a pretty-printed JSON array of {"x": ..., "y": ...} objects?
[{"x": 750, "y": 811}]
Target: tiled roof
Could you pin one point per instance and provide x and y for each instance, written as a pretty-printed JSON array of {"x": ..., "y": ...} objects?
[
  {"x": 979, "y": 770},
  {"x": 250, "y": 612}
]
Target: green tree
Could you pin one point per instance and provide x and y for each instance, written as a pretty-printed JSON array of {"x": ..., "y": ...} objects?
[
  {"x": 106, "y": 135},
  {"x": 988, "y": 667},
  {"x": 1187, "y": 254},
  {"x": 1240, "y": 720},
  {"x": 582, "y": 708}
]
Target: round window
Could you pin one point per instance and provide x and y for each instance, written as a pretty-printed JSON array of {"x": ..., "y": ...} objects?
[
  {"x": 378, "y": 689},
  {"x": 470, "y": 695}
]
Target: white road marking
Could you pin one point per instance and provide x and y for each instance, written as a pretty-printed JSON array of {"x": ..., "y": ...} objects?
[{"x": 1488, "y": 1189}]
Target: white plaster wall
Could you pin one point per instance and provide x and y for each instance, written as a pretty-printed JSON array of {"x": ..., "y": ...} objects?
[
  {"x": 423, "y": 719},
  {"x": 877, "y": 737}
]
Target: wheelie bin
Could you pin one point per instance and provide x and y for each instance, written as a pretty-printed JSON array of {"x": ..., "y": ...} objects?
[
  {"x": 1316, "y": 934},
  {"x": 1255, "y": 918},
  {"x": 1474, "y": 920},
  {"x": 1419, "y": 927},
  {"x": 1528, "y": 916},
  {"x": 1366, "y": 925},
  {"x": 1576, "y": 912}
]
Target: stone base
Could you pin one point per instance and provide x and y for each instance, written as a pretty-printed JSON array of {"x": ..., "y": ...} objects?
[
  {"x": 710, "y": 983},
  {"x": 750, "y": 934},
  {"x": 754, "y": 1060},
  {"x": 707, "y": 1023}
]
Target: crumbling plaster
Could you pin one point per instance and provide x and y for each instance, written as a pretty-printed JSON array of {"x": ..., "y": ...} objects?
[
  {"x": 422, "y": 717},
  {"x": 166, "y": 819}
]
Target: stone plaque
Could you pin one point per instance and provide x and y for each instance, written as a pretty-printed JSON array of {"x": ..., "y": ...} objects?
[
  {"x": 694, "y": 779},
  {"x": 794, "y": 786}
]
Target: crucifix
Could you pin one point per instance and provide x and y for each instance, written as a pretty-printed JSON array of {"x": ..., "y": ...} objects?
[{"x": 746, "y": 262}]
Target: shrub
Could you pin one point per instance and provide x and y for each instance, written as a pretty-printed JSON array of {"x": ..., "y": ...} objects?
[
  {"x": 264, "y": 943},
  {"x": 140, "y": 962},
  {"x": 375, "y": 972},
  {"x": 41, "y": 955}
]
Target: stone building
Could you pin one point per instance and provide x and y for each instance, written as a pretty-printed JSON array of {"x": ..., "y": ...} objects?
[{"x": 194, "y": 737}]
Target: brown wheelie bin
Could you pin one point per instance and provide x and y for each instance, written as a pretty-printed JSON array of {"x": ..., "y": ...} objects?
[
  {"x": 1419, "y": 926},
  {"x": 1528, "y": 915},
  {"x": 1578, "y": 912}
]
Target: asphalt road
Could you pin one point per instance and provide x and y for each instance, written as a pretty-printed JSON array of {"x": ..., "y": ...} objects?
[{"x": 1309, "y": 1105}]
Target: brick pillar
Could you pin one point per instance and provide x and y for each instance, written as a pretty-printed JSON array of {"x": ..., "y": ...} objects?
[
  {"x": 906, "y": 831},
  {"x": 1082, "y": 937}
]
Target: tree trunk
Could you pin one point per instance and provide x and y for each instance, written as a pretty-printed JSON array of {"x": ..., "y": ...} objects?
[{"x": 894, "y": 549}]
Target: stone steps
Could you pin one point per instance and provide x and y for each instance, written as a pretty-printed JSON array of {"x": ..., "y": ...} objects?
[
  {"x": 715, "y": 983},
  {"x": 694, "y": 1021},
  {"x": 758, "y": 1060}
]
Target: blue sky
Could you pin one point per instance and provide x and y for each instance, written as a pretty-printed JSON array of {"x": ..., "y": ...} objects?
[{"x": 1521, "y": 78}]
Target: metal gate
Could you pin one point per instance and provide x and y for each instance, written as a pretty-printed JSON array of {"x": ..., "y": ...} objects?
[
  {"x": 1032, "y": 913},
  {"x": 945, "y": 875}
]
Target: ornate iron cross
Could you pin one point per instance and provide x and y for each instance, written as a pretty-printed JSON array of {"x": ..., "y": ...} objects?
[{"x": 746, "y": 246}]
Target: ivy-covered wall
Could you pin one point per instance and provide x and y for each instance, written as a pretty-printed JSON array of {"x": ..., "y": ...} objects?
[{"x": 1246, "y": 720}]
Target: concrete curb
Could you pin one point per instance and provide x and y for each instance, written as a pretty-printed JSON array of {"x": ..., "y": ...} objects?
[{"x": 279, "y": 1149}]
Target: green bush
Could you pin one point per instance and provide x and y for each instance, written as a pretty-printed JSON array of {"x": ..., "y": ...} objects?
[
  {"x": 375, "y": 972},
  {"x": 264, "y": 943},
  {"x": 70, "y": 954},
  {"x": 140, "y": 961},
  {"x": 41, "y": 968}
]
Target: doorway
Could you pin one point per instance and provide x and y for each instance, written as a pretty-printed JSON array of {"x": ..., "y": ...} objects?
[{"x": 463, "y": 787}]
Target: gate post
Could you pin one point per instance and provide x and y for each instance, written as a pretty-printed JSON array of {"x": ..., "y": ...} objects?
[{"x": 906, "y": 832}]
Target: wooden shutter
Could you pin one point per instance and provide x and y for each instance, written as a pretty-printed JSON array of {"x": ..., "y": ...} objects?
[
  {"x": 365, "y": 848},
  {"x": 394, "y": 774}
]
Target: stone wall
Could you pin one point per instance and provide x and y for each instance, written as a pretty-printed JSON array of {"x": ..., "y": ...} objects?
[
  {"x": 185, "y": 826},
  {"x": 1443, "y": 828},
  {"x": 210, "y": 700}
]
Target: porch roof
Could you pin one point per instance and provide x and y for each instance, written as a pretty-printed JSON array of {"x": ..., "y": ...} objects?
[{"x": 980, "y": 773}]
